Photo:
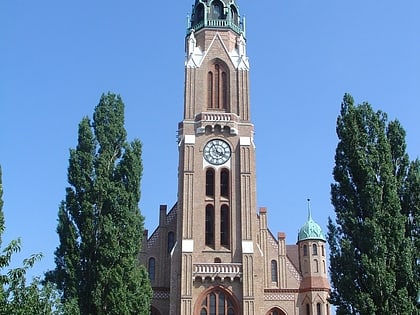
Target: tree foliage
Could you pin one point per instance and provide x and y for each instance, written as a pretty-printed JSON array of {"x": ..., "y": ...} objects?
[
  {"x": 372, "y": 253},
  {"x": 100, "y": 226},
  {"x": 16, "y": 296}
]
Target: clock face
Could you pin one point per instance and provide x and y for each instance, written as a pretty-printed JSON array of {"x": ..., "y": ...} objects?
[{"x": 217, "y": 152}]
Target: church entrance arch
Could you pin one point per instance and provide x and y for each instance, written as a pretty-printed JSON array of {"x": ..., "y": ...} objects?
[
  {"x": 276, "y": 311},
  {"x": 217, "y": 301}
]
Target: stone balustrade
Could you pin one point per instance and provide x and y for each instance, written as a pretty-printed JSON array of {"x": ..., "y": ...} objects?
[
  {"x": 217, "y": 270},
  {"x": 217, "y": 117}
]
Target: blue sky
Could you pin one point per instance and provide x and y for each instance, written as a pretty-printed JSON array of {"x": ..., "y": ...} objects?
[{"x": 58, "y": 57}]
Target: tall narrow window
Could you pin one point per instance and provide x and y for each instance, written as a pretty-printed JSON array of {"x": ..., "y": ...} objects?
[
  {"x": 209, "y": 225},
  {"x": 223, "y": 97},
  {"x": 171, "y": 241},
  {"x": 210, "y": 183},
  {"x": 308, "y": 311},
  {"x": 318, "y": 309},
  {"x": 224, "y": 183},
  {"x": 314, "y": 249},
  {"x": 221, "y": 303},
  {"x": 199, "y": 14},
  {"x": 274, "y": 276},
  {"x": 217, "y": 86},
  {"x": 316, "y": 265},
  {"x": 305, "y": 250},
  {"x": 152, "y": 268},
  {"x": 217, "y": 10},
  {"x": 213, "y": 304},
  {"x": 210, "y": 88},
  {"x": 234, "y": 15},
  {"x": 224, "y": 226}
]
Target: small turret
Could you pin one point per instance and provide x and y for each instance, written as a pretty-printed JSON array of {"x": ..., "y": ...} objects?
[
  {"x": 313, "y": 267},
  {"x": 216, "y": 14}
]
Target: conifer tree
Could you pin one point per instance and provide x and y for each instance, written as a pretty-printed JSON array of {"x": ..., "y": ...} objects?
[
  {"x": 370, "y": 254},
  {"x": 411, "y": 209},
  {"x": 100, "y": 226}
]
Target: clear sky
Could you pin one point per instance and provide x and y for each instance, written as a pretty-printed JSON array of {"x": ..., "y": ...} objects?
[{"x": 58, "y": 57}]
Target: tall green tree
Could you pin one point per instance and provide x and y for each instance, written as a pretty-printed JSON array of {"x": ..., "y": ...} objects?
[
  {"x": 371, "y": 257},
  {"x": 16, "y": 296},
  {"x": 411, "y": 209},
  {"x": 100, "y": 226},
  {"x": 407, "y": 175}
]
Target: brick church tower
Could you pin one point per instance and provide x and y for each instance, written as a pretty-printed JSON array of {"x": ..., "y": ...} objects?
[{"x": 212, "y": 253}]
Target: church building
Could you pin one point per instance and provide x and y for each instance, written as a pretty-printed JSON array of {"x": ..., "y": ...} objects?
[{"x": 213, "y": 253}]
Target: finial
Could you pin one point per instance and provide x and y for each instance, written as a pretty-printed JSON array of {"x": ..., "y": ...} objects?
[
  {"x": 188, "y": 22},
  {"x": 309, "y": 209}
]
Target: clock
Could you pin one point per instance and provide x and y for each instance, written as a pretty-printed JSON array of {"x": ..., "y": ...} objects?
[{"x": 217, "y": 152}]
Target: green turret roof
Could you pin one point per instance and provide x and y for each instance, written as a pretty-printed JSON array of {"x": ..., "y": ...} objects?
[
  {"x": 310, "y": 230},
  {"x": 216, "y": 14}
]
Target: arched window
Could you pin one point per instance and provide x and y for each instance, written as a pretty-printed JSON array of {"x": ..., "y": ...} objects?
[
  {"x": 210, "y": 225},
  {"x": 218, "y": 302},
  {"x": 217, "y": 87},
  {"x": 274, "y": 276},
  {"x": 323, "y": 250},
  {"x": 308, "y": 310},
  {"x": 223, "y": 97},
  {"x": 171, "y": 241},
  {"x": 224, "y": 183},
  {"x": 216, "y": 91},
  {"x": 318, "y": 309},
  {"x": 305, "y": 250},
  {"x": 152, "y": 268},
  {"x": 234, "y": 15},
  {"x": 224, "y": 226},
  {"x": 210, "y": 90},
  {"x": 314, "y": 249},
  {"x": 199, "y": 14},
  {"x": 316, "y": 265},
  {"x": 217, "y": 10},
  {"x": 210, "y": 183}
]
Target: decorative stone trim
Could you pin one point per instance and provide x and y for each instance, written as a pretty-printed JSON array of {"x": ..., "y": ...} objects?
[
  {"x": 161, "y": 295},
  {"x": 278, "y": 297},
  {"x": 293, "y": 271}
]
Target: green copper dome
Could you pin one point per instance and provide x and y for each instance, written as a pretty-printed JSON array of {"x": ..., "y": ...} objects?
[{"x": 311, "y": 230}]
